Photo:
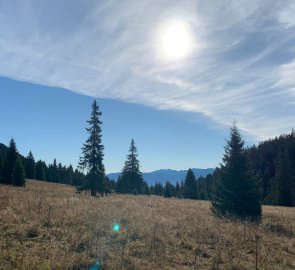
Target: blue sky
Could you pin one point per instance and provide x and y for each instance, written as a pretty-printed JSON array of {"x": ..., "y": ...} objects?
[
  {"x": 51, "y": 123},
  {"x": 241, "y": 67}
]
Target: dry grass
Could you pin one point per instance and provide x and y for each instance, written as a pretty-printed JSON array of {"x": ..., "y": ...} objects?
[{"x": 48, "y": 226}]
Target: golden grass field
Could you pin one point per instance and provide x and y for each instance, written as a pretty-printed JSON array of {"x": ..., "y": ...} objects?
[{"x": 48, "y": 226}]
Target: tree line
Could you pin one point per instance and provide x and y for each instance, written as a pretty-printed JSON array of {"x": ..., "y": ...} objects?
[
  {"x": 259, "y": 174},
  {"x": 190, "y": 188},
  {"x": 15, "y": 168}
]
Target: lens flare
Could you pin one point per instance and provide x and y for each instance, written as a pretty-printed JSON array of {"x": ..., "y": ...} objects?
[{"x": 116, "y": 227}]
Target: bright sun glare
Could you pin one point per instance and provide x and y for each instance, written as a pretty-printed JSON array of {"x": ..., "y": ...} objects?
[{"x": 175, "y": 40}]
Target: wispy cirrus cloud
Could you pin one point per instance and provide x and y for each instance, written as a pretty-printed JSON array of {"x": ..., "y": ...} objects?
[
  {"x": 286, "y": 15},
  {"x": 241, "y": 70}
]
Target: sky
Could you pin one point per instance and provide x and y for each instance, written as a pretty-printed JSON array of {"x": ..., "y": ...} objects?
[{"x": 234, "y": 60}]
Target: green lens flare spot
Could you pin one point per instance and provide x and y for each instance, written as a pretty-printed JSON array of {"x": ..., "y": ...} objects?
[{"x": 116, "y": 227}]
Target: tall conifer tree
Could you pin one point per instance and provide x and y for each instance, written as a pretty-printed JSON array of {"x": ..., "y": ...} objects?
[
  {"x": 92, "y": 154},
  {"x": 235, "y": 193},
  {"x": 131, "y": 180}
]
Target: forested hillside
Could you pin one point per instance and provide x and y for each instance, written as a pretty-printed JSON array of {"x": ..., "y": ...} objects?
[
  {"x": 271, "y": 166},
  {"x": 272, "y": 163}
]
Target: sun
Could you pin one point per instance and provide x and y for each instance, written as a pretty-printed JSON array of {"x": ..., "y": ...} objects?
[{"x": 175, "y": 40}]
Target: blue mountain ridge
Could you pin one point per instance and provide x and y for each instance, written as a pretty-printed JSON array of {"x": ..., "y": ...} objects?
[{"x": 165, "y": 175}]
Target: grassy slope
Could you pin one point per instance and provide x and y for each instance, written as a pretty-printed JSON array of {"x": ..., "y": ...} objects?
[{"x": 156, "y": 233}]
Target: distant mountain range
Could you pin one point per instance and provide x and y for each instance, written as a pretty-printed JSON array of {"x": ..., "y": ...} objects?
[{"x": 163, "y": 175}]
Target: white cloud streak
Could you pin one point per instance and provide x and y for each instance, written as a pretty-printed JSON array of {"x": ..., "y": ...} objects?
[
  {"x": 286, "y": 15},
  {"x": 243, "y": 69}
]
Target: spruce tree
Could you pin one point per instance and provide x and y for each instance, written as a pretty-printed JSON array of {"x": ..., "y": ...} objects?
[
  {"x": 30, "y": 166},
  {"x": 190, "y": 185},
  {"x": 131, "y": 180},
  {"x": 235, "y": 193},
  {"x": 11, "y": 159},
  {"x": 18, "y": 175},
  {"x": 92, "y": 154}
]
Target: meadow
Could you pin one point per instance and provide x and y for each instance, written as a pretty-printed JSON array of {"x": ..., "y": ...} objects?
[{"x": 48, "y": 226}]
